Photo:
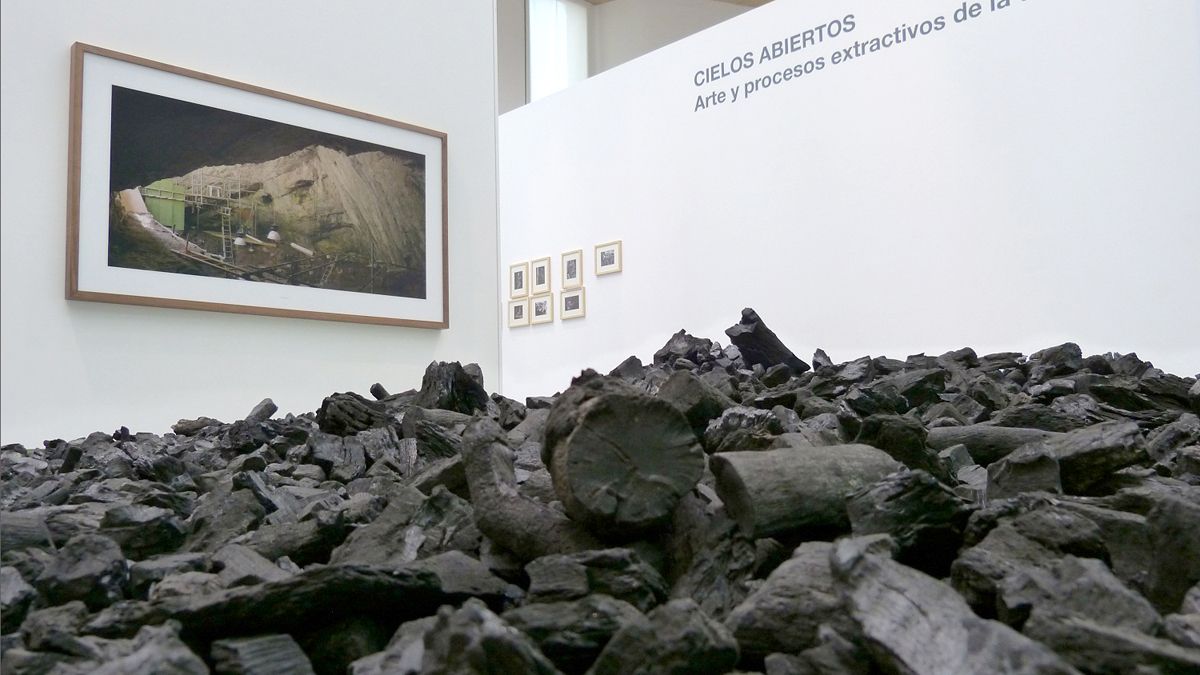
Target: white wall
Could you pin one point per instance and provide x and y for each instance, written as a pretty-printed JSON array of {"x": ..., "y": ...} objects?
[
  {"x": 1013, "y": 182},
  {"x": 622, "y": 30},
  {"x": 74, "y": 367}
]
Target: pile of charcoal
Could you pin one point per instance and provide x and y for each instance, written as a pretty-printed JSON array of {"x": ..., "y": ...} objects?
[{"x": 722, "y": 509}]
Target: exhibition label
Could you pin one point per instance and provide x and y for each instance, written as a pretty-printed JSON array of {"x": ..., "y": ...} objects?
[{"x": 808, "y": 52}]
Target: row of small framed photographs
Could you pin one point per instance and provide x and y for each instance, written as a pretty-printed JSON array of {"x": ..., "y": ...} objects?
[
  {"x": 531, "y": 279},
  {"x": 540, "y": 308}
]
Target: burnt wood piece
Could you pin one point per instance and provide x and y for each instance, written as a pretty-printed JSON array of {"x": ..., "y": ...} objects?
[
  {"x": 985, "y": 442},
  {"x": 626, "y": 464},
  {"x": 528, "y": 528},
  {"x": 760, "y": 346},
  {"x": 347, "y": 414},
  {"x": 774, "y": 492},
  {"x": 450, "y": 386}
]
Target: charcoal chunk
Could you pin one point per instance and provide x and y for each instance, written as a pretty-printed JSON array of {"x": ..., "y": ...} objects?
[
  {"x": 347, "y": 414},
  {"x": 146, "y": 572},
  {"x": 786, "y": 611},
  {"x": 914, "y": 623},
  {"x": 240, "y": 566},
  {"x": 1098, "y": 648},
  {"x": 901, "y": 437},
  {"x": 260, "y": 655},
  {"x": 450, "y": 386},
  {"x": 925, "y": 518},
  {"x": 741, "y": 428},
  {"x": 697, "y": 400},
  {"x": 90, "y": 568},
  {"x": 1088, "y": 457},
  {"x": 760, "y": 346},
  {"x": 15, "y": 598},
  {"x": 677, "y": 637},
  {"x": 1173, "y": 524},
  {"x": 222, "y": 515},
  {"x": 143, "y": 531},
  {"x": 572, "y": 633},
  {"x": 1080, "y": 586},
  {"x": 680, "y": 346},
  {"x": 474, "y": 640},
  {"x": 619, "y": 573}
]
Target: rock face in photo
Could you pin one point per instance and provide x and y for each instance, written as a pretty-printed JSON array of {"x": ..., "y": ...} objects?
[
  {"x": 374, "y": 202},
  {"x": 725, "y": 508}
]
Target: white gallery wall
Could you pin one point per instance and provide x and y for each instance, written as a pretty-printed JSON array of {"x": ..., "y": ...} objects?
[
  {"x": 69, "y": 368},
  {"x": 1022, "y": 178}
]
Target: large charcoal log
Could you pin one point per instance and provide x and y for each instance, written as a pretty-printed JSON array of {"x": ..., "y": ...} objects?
[
  {"x": 799, "y": 488},
  {"x": 626, "y": 464},
  {"x": 985, "y": 442},
  {"x": 528, "y": 528},
  {"x": 760, "y": 346}
]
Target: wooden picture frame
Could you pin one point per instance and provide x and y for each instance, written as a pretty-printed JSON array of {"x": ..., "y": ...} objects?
[
  {"x": 518, "y": 313},
  {"x": 572, "y": 269},
  {"x": 192, "y": 191},
  {"x": 539, "y": 276},
  {"x": 573, "y": 304},
  {"x": 541, "y": 309},
  {"x": 518, "y": 280},
  {"x": 608, "y": 258}
]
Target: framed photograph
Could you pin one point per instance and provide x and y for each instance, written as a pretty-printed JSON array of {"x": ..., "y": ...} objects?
[
  {"x": 541, "y": 309},
  {"x": 192, "y": 191},
  {"x": 608, "y": 258},
  {"x": 518, "y": 280},
  {"x": 572, "y": 269},
  {"x": 574, "y": 304},
  {"x": 518, "y": 313},
  {"x": 539, "y": 276}
]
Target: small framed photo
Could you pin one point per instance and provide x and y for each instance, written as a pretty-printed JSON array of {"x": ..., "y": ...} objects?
[
  {"x": 608, "y": 258},
  {"x": 518, "y": 280},
  {"x": 574, "y": 305},
  {"x": 572, "y": 270},
  {"x": 539, "y": 276},
  {"x": 541, "y": 308},
  {"x": 518, "y": 313}
]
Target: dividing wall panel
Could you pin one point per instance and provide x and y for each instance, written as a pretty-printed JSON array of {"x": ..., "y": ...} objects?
[{"x": 874, "y": 178}]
